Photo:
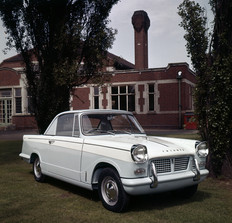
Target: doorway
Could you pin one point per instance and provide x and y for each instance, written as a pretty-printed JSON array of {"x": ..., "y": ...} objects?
[{"x": 5, "y": 107}]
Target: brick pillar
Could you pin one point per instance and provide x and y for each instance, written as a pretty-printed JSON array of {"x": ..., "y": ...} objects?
[{"x": 141, "y": 24}]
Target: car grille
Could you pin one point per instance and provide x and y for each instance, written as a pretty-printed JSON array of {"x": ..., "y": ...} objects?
[{"x": 171, "y": 164}]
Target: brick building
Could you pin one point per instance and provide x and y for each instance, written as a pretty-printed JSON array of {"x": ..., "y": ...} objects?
[{"x": 159, "y": 97}]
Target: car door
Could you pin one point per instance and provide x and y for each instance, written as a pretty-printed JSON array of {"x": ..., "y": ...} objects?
[{"x": 64, "y": 149}]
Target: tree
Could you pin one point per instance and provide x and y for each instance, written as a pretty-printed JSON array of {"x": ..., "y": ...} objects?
[
  {"x": 211, "y": 57},
  {"x": 68, "y": 39}
]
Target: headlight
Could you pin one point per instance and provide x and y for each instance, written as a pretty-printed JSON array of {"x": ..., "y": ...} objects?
[
  {"x": 139, "y": 153},
  {"x": 202, "y": 149}
]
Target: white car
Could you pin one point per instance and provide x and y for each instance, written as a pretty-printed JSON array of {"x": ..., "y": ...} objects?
[{"x": 109, "y": 151}]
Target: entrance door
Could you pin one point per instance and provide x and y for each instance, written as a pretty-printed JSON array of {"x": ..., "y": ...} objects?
[{"x": 5, "y": 111}]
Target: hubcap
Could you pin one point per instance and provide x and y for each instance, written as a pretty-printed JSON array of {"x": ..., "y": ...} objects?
[
  {"x": 109, "y": 191},
  {"x": 37, "y": 169}
]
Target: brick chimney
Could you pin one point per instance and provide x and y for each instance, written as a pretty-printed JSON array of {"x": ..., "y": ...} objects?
[{"x": 141, "y": 24}]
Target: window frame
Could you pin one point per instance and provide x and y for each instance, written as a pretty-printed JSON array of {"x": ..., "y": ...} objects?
[
  {"x": 153, "y": 94},
  {"x": 96, "y": 96},
  {"x": 120, "y": 94},
  {"x": 61, "y": 122},
  {"x": 16, "y": 99}
]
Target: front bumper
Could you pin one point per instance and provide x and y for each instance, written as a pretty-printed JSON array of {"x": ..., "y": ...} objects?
[{"x": 163, "y": 183}]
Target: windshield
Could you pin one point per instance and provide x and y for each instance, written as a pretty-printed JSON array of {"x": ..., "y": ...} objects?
[{"x": 97, "y": 124}]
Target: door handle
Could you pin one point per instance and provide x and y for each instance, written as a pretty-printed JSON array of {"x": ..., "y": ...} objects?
[{"x": 51, "y": 141}]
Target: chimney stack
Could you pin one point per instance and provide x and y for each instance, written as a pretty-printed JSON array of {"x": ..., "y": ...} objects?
[{"x": 141, "y": 24}]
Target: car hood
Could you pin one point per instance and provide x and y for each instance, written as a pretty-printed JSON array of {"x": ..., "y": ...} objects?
[{"x": 156, "y": 146}]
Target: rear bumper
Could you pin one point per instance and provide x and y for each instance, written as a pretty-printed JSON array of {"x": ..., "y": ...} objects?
[
  {"x": 164, "y": 183},
  {"x": 25, "y": 157}
]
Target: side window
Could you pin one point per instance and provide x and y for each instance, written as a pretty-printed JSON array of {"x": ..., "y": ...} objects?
[
  {"x": 65, "y": 125},
  {"x": 51, "y": 129}
]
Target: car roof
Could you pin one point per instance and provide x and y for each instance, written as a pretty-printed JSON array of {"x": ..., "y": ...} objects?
[{"x": 96, "y": 111}]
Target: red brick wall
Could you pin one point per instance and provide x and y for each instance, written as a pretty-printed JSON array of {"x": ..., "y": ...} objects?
[
  {"x": 151, "y": 120},
  {"x": 24, "y": 122},
  {"x": 169, "y": 73},
  {"x": 81, "y": 98},
  {"x": 168, "y": 99}
]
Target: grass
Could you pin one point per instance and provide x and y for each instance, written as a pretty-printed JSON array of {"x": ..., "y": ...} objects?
[{"x": 22, "y": 199}]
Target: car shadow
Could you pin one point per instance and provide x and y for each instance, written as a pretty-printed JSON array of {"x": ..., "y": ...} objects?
[
  {"x": 137, "y": 203},
  {"x": 70, "y": 188},
  {"x": 164, "y": 200}
]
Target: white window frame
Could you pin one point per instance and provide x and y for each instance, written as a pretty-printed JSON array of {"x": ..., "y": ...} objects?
[{"x": 127, "y": 94}]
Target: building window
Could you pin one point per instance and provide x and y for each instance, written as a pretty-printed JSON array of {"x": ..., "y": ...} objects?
[
  {"x": 30, "y": 107},
  {"x": 18, "y": 100},
  {"x": 151, "y": 93},
  {"x": 5, "y": 93},
  {"x": 96, "y": 98},
  {"x": 123, "y": 97}
]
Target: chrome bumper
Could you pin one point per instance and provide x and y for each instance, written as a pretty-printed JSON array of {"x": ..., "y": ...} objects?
[{"x": 154, "y": 177}]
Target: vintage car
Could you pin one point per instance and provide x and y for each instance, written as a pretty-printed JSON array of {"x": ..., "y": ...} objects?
[{"x": 108, "y": 150}]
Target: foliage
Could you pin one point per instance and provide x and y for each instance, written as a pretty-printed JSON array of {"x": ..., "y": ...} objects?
[
  {"x": 212, "y": 59},
  {"x": 63, "y": 44}
]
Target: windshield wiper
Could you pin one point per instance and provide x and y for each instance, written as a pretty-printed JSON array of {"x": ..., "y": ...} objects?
[
  {"x": 112, "y": 132},
  {"x": 96, "y": 130},
  {"x": 127, "y": 132}
]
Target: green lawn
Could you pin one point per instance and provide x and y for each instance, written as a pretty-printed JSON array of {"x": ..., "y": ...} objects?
[{"x": 22, "y": 199}]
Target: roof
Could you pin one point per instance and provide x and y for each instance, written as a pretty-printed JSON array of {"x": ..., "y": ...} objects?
[
  {"x": 120, "y": 63},
  {"x": 15, "y": 58},
  {"x": 97, "y": 111}
]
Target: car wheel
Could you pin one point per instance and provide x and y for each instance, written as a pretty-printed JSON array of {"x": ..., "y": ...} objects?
[
  {"x": 37, "y": 170},
  {"x": 111, "y": 191}
]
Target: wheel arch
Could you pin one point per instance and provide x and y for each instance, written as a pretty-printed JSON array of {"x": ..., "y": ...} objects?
[
  {"x": 97, "y": 171},
  {"x": 33, "y": 157}
]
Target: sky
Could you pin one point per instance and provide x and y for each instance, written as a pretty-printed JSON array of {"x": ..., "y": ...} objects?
[{"x": 166, "y": 43}]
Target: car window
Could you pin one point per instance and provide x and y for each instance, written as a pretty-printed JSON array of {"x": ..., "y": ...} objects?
[
  {"x": 97, "y": 124},
  {"x": 120, "y": 123},
  {"x": 135, "y": 126},
  {"x": 52, "y": 128},
  {"x": 126, "y": 124},
  {"x": 90, "y": 122},
  {"x": 65, "y": 125}
]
